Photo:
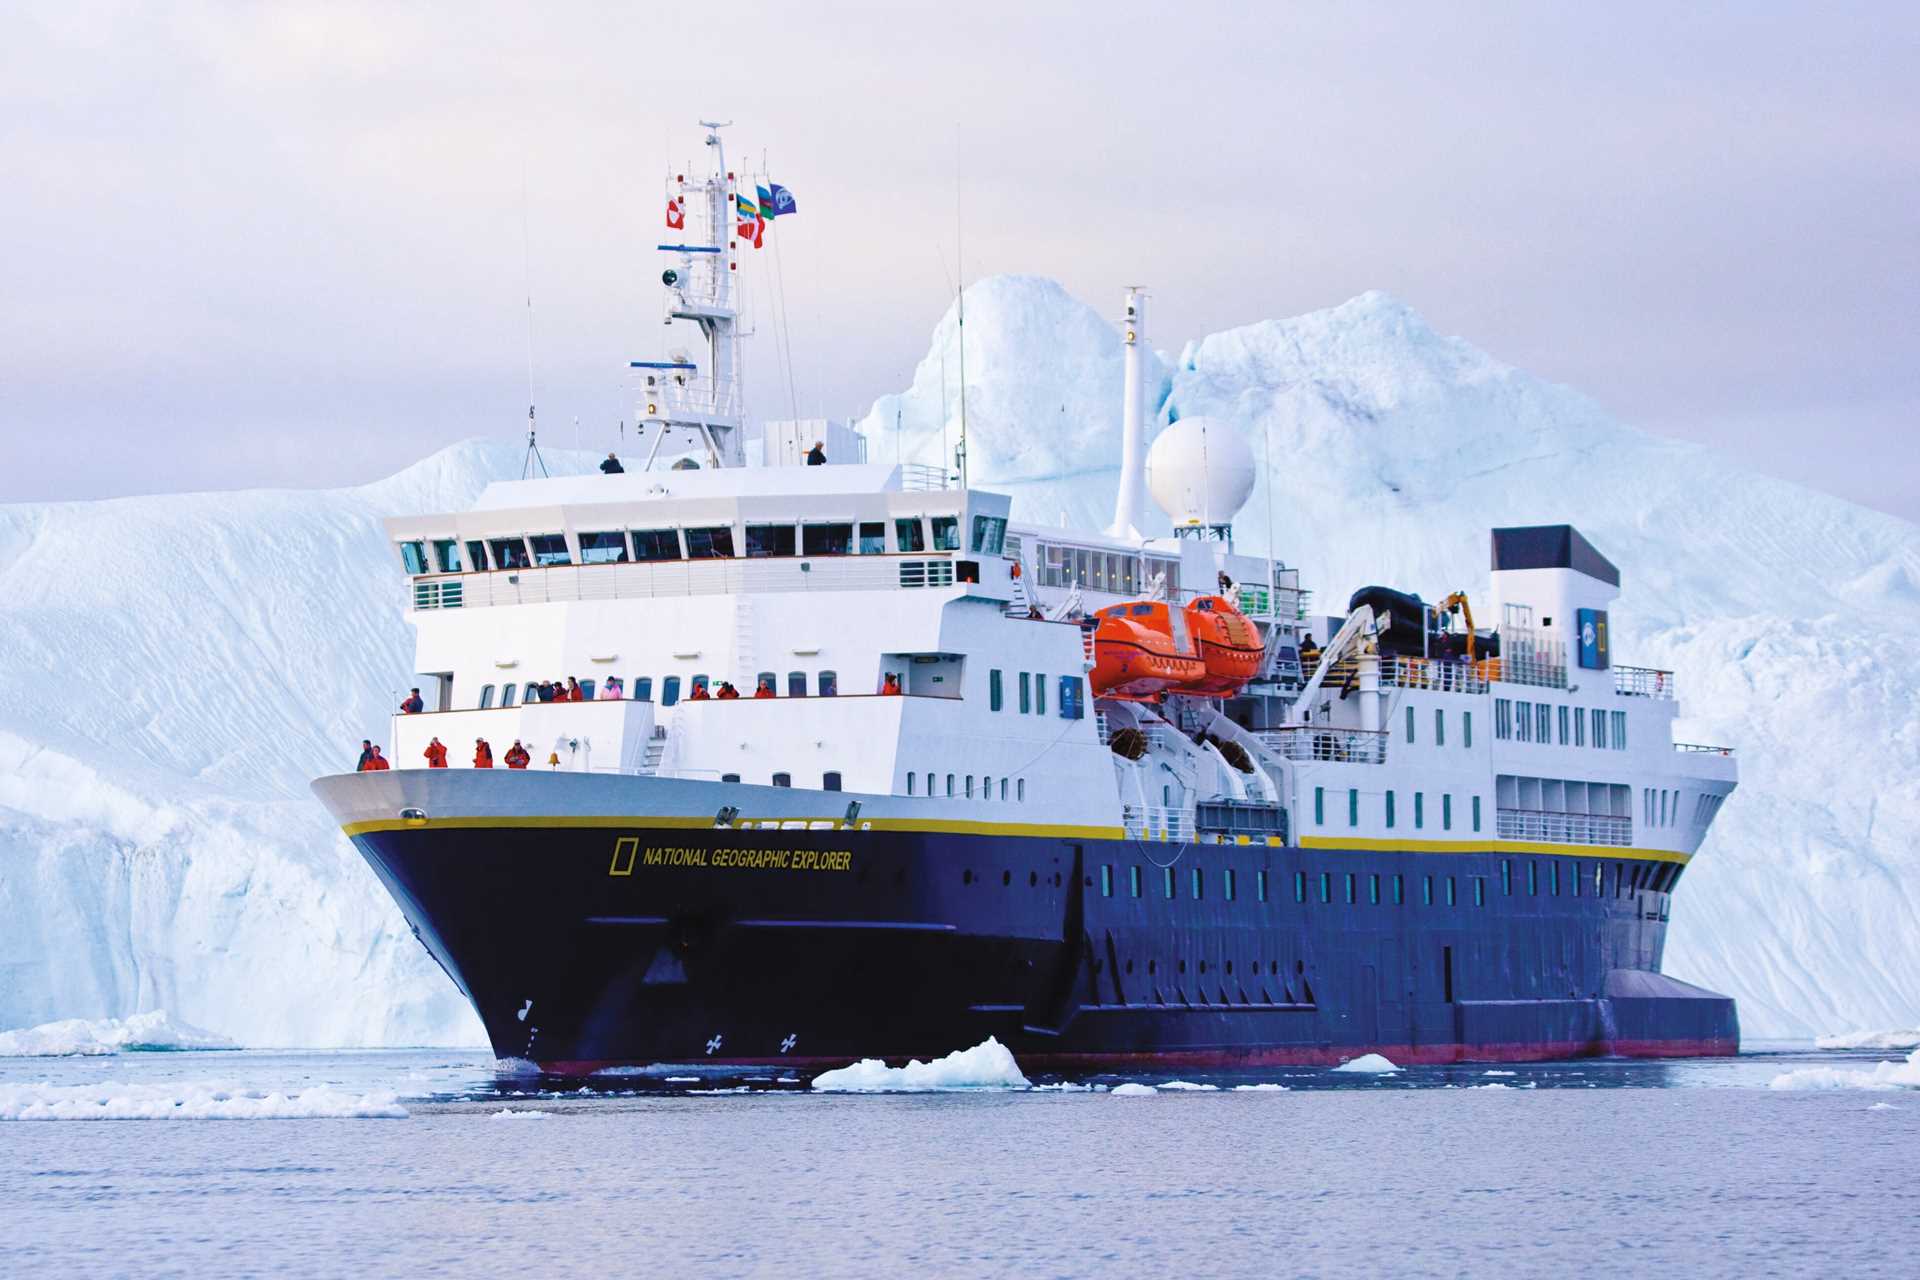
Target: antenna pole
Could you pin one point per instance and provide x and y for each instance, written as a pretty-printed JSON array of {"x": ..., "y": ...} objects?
[
  {"x": 960, "y": 272},
  {"x": 526, "y": 273}
]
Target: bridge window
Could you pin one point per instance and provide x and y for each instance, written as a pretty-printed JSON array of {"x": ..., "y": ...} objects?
[
  {"x": 824, "y": 539},
  {"x": 830, "y": 782},
  {"x": 664, "y": 544},
  {"x": 715, "y": 543},
  {"x": 828, "y": 683},
  {"x": 446, "y": 555},
  {"x": 796, "y": 684},
  {"x": 782, "y": 779},
  {"x": 509, "y": 553},
  {"x": 643, "y": 688},
  {"x": 507, "y": 694},
  {"x": 609, "y": 547},
  {"x": 765, "y": 540},
  {"x": 946, "y": 533},
  {"x": 477, "y": 556},
  {"x": 669, "y": 691},
  {"x": 413, "y": 555},
  {"x": 873, "y": 537},
  {"x": 550, "y": 549},
  {"x": 909, "y": 535},
  {"x": 486, "y": 696},
  {"x": 989, "y": 534}
]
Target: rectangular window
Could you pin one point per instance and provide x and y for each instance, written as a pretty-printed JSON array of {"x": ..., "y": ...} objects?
[
  {"x": 1523, "y": 723},
  {"x": 1373, "y": 888},
  {"x": 826, "y": 539},
  {"x": 1476, "y": 813},
  {"x": 509, "y": 553},
  {"x": 1326, "y": 886},
  {"x": 949, "y": 784},
  {"x": 1020, "y": 791},
  {"x": 1533, "y": 879},
  {"x": 909, "y": 535},
  {"x": 1260, "y": 885},
  {"x": 1502, "y": 719},
  {"x": 1426, "y": 891},
  {"x": 1409, "y": 723},
  {"x": 873, "y": 537},
  {"x": 828, "y": 683},
  {"x": 909, "y": 782},
  {"x": 1573, "y": 874},
  {"x": 969, "y": 786},
  {"x": 1299, "y": 886},
  {"x": 669, "y": 691},
  {"x": 1168, "y": 878},
  {"x": 989, "y": 533},
  {"x": 1619, "y": 731},
  {"x": 796, "y": 684},
  {"x": 477, "y": 556},
  {"x": 1039, "y": 694},
  {"x": 1419, "y": 810},
  {"x": 782, "y": 779},
  {"x": 1106, "y": 880},
  {"x": 446, "y": 555},
  {"x": 994, "y": 696},
  {"x": 765, "y": 540},
  {"x": 1389, "y": 810},
  {"x": 1133, "y": 881},
  {"x": 1579, "y": 727},
  {"x": 486, "y": 696},
  {"x": 1479, "y": 891},
  {"x": 1439, "y": 726},
  {"x": 1564, "y": 732},
  {"x": 603, "y": 548},
  {"x": 1506, "y": 877},
  {"x": 1466, "y": 729},
  {"x": 1026, "y": 693},
  {"x": 1353, "y": 806},
  {"x": 1399, "y": 888},
  {"x": 1554, "y": 867},
  {"x": 1319, "y": 806},
  {"x": 507, "y": 695},
  {"x": 1446, "y": 811},
  {"x": 643, "y": 688},
  {"x": 1226, "y": 884},
  {"x": 1543, "y": 724},
  {"x": 1450, "y": 888},
  {"x": 715, "y": 543},
  {"x": 1599, "y": 730},
  {"x": 1196, "y": 886},
  {"x": 413, "y": 556},
  {"x": 829, "y": 782},
  {"x": 662, "y": 544},
  {"x": 946, "y": 533},
  {"x": 1349, "y": 888},
  {"x": 1599, "y": 874}
]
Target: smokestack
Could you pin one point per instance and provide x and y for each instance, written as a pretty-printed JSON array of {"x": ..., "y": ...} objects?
[{"x": 1129, "y": 506}]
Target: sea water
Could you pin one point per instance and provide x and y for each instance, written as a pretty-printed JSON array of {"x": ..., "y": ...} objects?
[{"x": 448, "y": 1163}]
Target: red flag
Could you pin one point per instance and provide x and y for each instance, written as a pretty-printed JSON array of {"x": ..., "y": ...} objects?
[
  {"x": 759, "y": 227},
  {"x": 676, "y": 220}
]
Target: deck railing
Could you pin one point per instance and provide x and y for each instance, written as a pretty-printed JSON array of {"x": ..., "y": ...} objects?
[
  {"x": 1307, "y": 742},
  {"x": 1436, "y": 675},
  {"x": 1563, "y": 828},
  {"x": 1156, "y": 822},
  {"x": 667, "y": 578},
  {"x": 1643, "y": 682},
  {"x": 1702, "y": 749}
]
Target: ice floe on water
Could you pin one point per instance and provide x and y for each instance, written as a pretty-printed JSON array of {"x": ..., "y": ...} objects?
[
  {"x": 516, "y": 1067},
  {"x": 1499, "y": 1073},
  {"x": 1882, "y": 1075},
  {"x": 1260, "y": 1088},
  {"x": 988, "y": 1065},
  {"x": 1190, "y": 1087},
  {"x": 1368, "y": 1064},
  {"x": 1870, "y": 1040},
  {"x": 1132, "y": 1090},
  {"x": 190, "y": 1100},
  {"x": 511, "y": 1114},
  {"x": 76, "y": 1037},
  {"x": 1883, "y": 1106}
]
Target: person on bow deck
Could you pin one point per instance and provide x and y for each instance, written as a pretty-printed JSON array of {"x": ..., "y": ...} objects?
[
  {"x": 517, "y": 756},
  {"x": 817, "y": 456},
  {"x": 891, "y": 685},
  {"x": 699, "y": 694},
  {"x": 612, "y": 466},
  {"x": 414, "y": 704},
  {"x": 377, "y": 762},
  {"x": 764, "y": 690},
  {"x": 727, "y": 691},
  {"x": 366, "y": 754},
  {"x": 612, "y": 690},
  {"x": 436, "y": 754},
  {"x": 544, "y": 691},
  {"x": 482, "y": 754},
  {"x": 574, "y": 692}
]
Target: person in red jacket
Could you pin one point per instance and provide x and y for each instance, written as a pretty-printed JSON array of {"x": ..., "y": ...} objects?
[
  {"x": 517, "y": 757},
  {"x": 482, "y": 754},
  {"x": 436, "y": 754},
  {"x": 764, "y": 690},
  {"x": 727, "y": 691},
  {"x": 414, "y": 704},
  {"x": 574, "y": 692},
  {"x": 378, "y": 762},
  {"x": 891, "y": 686},
  {"x": 699, "y": 694},
  {"x": 366, "y": 754}
]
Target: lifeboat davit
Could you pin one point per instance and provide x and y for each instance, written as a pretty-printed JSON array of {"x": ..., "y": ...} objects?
[
  {"x": 1136, "y": 659},
  {"x": 1228, "y": 644}
]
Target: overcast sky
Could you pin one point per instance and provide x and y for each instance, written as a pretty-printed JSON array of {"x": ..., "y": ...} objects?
[{"x": 255, "y": 244}]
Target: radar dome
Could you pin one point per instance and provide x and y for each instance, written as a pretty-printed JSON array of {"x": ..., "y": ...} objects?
[{"x": 1200, "y": 471}]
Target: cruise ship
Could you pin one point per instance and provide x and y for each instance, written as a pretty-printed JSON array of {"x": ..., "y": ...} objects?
[{"x": 1114, "y": 799}]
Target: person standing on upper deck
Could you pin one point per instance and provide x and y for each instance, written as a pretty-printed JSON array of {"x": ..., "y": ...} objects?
[
  {"x": 482, "y": 754},
  {"x": 366, "y": 754},
  {"x": 414, "y": 704},
  {"x": 612, "y": 466},
  {"x": 436, "y": 754},
  {"x": 817, "y": 456},
  {"x": 574, "y": 692}
]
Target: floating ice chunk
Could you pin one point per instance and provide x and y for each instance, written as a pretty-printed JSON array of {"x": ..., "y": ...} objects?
[
  {"x": 1132, "y": 1090},
  {"x": 142, "y": 1033},
  {"x": 739, "y": 1088},
  {"x": 1189, "y": 1087},
  {"x": 988, "y": 1065},
  {"x": 511, "y": 1114},
  {"x": 683, "y": 1079},
  {"x": 1368, "y": 1063},
  {"x": 1869, "y": 1040},
  {"x": 1493, "y": 1084},
  {"x": 1883, "y": 1106},
  {"x": 1883, "y": 1075},
  {"x": 1260, "y": 1088},
  {"x": 515, "y": 1067},
  {"x": 1499, "y": 1073},
  {"x": 189, "y": 1100},
  {"x": 1065, "y": 1086}
]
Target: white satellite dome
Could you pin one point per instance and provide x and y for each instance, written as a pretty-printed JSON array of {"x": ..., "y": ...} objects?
[{"x": 1200, "y": 471}]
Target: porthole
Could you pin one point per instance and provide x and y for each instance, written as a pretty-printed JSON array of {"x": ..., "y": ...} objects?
[
  {"x": 966, "y": 877},
  {"x": 1033, "y": 879},
  {"x": 1006, "y": 877}
]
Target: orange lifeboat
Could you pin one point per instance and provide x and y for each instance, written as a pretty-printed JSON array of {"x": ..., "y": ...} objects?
[
  {"x": 1228, "y": 644},
  {"x": 1135, "y": 657}
]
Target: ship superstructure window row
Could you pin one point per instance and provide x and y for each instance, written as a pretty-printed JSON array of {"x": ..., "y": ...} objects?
[{"x": 1535, "y": 722}]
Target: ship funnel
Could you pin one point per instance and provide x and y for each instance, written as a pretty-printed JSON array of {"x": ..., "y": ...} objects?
[{"x": 1129, "y": 506}]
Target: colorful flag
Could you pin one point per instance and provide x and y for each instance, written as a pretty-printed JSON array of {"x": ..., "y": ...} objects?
[
  {"x": 676, "y": 220},
  {"x": 776, "y": 201},
  {"x": 748, "y": 219}
]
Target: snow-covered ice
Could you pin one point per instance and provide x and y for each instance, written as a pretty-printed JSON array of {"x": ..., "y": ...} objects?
[
  {"x": 190, "y": 1100},
  {"x": 163, "y": 850},
  {"x": 1134, "y": 1090},
  {"x": 1367, "y": 1064},
  {"x": 1499, "y": 1073},
  {"x": 1187, "y": 1086},
  {"x": 988, "y": 1065},
  {"x": 1869, "y": 1040},
  {"x": 510, "y": 1114},
  {"x": 1882, "y": 1075},
  {"x": 76, "y": 1037},
  {"x": 1264, "y": 1087}
]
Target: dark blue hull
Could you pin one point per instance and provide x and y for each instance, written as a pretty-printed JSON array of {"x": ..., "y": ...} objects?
[{"x": 589, "y": 946}]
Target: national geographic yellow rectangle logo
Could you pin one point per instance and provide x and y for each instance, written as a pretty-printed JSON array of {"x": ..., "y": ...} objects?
[{"x": 625, "y": 849}]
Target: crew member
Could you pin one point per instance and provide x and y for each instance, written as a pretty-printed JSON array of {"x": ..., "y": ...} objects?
[
  {"x": 482, "y": 754},
  {"x": 891, "y": 685},
  {"x": 378, "y": 762},
  {"x": 764, "y": 690},
  {"x": 436, "y": 754},
  {"x": 414, "y": 705},
  {"x": 612, "y": 466},
  {"x": 366, "y": 754},
  {"x": 817, "y": 456},
  {"x": 728, "y": 691},
  {"x": 699, "y": 694},
  {"x": 517, "y": 757}
]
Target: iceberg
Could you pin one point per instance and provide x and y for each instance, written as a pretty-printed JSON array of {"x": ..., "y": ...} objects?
[
  {"x": 988, "y": 1065},
  {"x": 1367, "y": 1064},
  {"x": 75, "y": 1037},
  {"x": 1133, "y": 1090},
  {"x": 1882, "y": 1075},
  {"x": 1869, "y": 1040}
]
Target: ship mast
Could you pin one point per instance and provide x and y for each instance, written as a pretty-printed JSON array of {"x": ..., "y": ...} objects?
[{"x": 681, "y": 407}]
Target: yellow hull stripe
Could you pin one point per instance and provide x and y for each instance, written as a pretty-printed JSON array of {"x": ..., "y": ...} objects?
[
  {"x": 1493, "y": 844},
  {"x": 689, "y": 823}
]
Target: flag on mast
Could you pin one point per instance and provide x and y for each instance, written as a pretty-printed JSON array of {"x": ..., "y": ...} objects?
[
  {"x": 748, "y": 219},
  {"x": 676, "y": 220},
  {"x": 775, "y": 201}
]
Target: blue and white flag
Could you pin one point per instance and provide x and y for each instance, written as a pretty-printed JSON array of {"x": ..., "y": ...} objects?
[{"x": 775, "y": 200}]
